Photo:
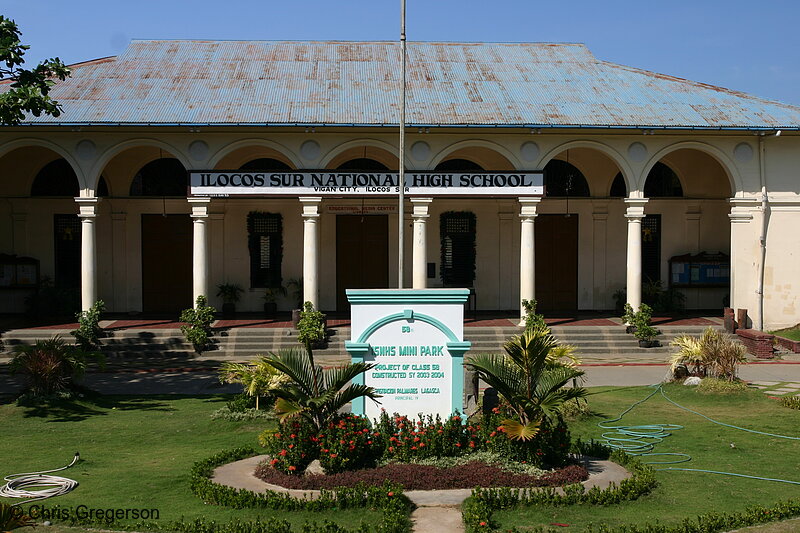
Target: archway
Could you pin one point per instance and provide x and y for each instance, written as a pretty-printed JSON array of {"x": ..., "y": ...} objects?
[{"x": 684, "y": 227}]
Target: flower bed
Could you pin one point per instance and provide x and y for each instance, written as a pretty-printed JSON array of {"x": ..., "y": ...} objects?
[{"x": 425, "y": 477}]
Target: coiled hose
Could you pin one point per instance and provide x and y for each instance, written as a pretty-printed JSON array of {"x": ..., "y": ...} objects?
[
  {"x": 18, "y": 485},
  {"x": 641, "y": 440}
]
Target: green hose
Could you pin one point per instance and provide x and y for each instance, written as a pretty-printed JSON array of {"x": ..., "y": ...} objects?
[{"x": 641, "y": 440}]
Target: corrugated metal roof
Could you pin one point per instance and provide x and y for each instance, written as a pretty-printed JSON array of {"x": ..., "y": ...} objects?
[{"x": 344, "y": 83}]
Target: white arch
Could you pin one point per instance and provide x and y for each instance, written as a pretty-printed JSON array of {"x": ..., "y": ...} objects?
[
  {"x": 734, "y": 180},
  {"x": 500, "y": 149},
  {"x": 339, "y": 148},
  {"x": 120, "y": 147},
  {"x": 244, "y": 143},
  {"x": 613, "y": 154},
  {"x": 8, "y": 147}
]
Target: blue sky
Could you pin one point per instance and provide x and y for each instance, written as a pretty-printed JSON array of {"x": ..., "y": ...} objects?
[{"x": 748, "y": 46}]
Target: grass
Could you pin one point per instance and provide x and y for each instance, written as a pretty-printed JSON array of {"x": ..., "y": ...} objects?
[
  {"x": 789, "y": 333},
  {"x": 136, "y": 453},
  {"x": 712, "y": 447}
]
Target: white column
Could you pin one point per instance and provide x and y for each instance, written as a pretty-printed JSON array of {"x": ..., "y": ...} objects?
[
  {"x": 311, "y": 249},
  {"x": 419, "y": 279},
  {"x": 199, "y": 247},
  {"x": 87, "y": 211},
  {"x": 634, "y": 214},
  {"x": 527, "y": 253}
]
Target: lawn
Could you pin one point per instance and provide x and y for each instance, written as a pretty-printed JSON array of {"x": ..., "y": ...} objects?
[
  {"x": 790, "y": 333},
  {"x": 712, "y": 447},
  {"x": 136, "y": 453}
]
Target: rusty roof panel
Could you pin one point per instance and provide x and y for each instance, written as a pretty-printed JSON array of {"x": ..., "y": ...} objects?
[{"x": 511, "y": 84}]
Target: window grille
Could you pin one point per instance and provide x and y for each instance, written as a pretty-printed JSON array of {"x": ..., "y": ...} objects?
[
  {"x": 457, "y": 232},
  {"x": 265, "y": 238}
]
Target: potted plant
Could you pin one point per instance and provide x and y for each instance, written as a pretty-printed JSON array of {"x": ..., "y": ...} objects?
[
  {"x": 627, "y": 318},
  {"x": 270, "y": 297},
  {"x": 230, "y": 294},
  {"x": 311, "y": 327},
  {"x": 644, "y": 331}
]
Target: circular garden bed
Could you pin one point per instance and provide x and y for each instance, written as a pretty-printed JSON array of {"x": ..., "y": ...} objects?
[{"x": 425, "y": 477}]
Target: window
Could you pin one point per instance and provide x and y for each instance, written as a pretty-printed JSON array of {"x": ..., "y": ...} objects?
[
  {"x": 56, "y": 178},
  {"x": 67, "y": 240},
  {"x": 662, "y": 182},
  {"x": 265, "y": 238},
  {"x": 651, "y": 248},
  {"x": 162, "y": 177},
  {"x": 564, "y": 179},
  {"x": 457, "y": 231}
]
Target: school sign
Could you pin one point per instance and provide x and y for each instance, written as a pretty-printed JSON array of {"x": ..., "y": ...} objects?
[{"x": 415, "y": 338}]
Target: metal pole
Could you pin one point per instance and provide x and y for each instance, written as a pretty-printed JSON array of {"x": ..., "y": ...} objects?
[{"x": 401, "y": 173}]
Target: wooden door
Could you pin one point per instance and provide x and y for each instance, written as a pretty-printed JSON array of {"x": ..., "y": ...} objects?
[
  {"x": 362, "y": 254},
  {"x": 166, "y": 264},
  {"x": 557, "y": 263}
]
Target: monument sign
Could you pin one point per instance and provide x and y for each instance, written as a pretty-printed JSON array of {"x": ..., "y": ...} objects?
[{"x": 415, "y": 337}]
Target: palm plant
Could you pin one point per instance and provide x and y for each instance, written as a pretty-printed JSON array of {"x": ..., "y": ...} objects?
[
  {"x": 258, "y": 377},
  {"x": 51, "y": 366},
  {"x": 312, "y": 392},
  {"x": 711, "y": 354},
  {"x": 533, "y": 386}
]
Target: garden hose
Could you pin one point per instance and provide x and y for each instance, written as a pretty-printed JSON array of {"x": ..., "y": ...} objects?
[
  {"x": 641, "y": 440},
  {"x": 48, "y": 486}
]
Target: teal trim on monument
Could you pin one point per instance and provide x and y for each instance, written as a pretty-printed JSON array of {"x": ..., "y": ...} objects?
[
  {"x": 407, "y": 296},
  {"x": 359, "y": 405},
  {"x": 356, "y": 348},
  {"x": 407, "y": 314},
  {"x": 457, "y": 350}
]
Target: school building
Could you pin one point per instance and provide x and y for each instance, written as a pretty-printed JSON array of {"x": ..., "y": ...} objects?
[{"x": 533, "y": 170}]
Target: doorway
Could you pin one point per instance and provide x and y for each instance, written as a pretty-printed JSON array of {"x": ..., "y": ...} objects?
[
  {"x": 362, "y": 254},
  {"x": 166, "y": 263},
  {"x": 557, "y": 263}
]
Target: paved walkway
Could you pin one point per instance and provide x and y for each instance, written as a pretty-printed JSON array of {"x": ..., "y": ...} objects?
[
  {"x": 775, "y": 379},
  {"x": 437, "y": 511}
]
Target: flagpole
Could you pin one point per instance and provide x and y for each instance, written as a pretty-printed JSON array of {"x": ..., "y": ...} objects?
[{"x": 401, "y": 159}]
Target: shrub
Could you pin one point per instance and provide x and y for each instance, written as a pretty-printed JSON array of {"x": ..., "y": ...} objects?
[
  {"x": 548, "y": 448},
  {"x": 240, "y": 403},
  {"x": 792, "y": 402},
  {"x": 641, "y": 321},
  {"x": 712, "y": 354},
  {"x": 532, "y": 385},
  {"x": 224, "y": 413},
  {"x": 721, "y": 386},
  {"x": 89, "y": 331},
  {"x": 349, "y": 443},
  {"x": 292, "y": 447},
  {"x": 407, "y": 439},
  {"x": 51, "y": 366},
  {"x": 13, "y": 518},
  {"x": 197, "y": 324},
  {"x": 312, "y": 392},
  {"x": 532, "y": 319},
  {"x": 311, "y": 327},
  {"x": 258, "y": 377}
]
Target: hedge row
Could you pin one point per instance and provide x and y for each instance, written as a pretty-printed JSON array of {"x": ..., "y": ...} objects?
[{"x": 478, "y": 509}]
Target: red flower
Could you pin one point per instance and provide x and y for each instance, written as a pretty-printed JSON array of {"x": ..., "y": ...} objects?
[
  {"x": 291, "y": 446},
  {"x": 334, "y": 455},
  {"x": 482, "y": 523},
  {"x": 273, "y": 462},
  {"x": 421, "y": 444},
  {"x": 493, "y": 433},
  {"x": 390, "y": 494},
  {"x": 292, "y": 436},
  {"x": 458, "y": 445},
  {"x": 471, "y": 444},
  {"x": 391, "y": 448},
  {"x": 282, "y": 452},
  {"x": 325, "y": 450},
  {"x": 416, "y": 439},
  {"x": 292, "y": 468}
]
